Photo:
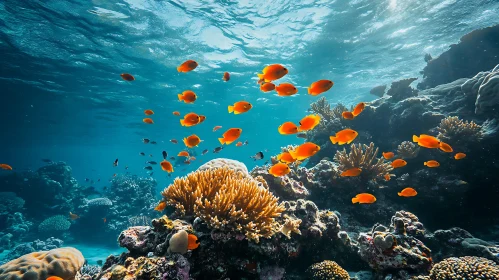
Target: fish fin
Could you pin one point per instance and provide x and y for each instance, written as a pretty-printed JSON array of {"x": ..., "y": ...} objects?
[
  {"x": 237, "y": 113},
  {"x": 260, "y": 76},
  {"x": 222, "y": 140},
  {"x": 348, "y": 142},
  {"x": 182, "y": 122},
  {"x": 228, "y": 142},
  {"x": 355, "y": 200},
  {"x": 333, "y": 139},
  {"x": 231, "y": 109},
  {"x": 309, "y": 91},
  {"x": 180, "y": 97},
  {"x": 415, "y": 138}
]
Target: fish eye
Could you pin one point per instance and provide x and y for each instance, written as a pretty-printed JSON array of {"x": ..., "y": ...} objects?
[{"x": 285, "y": 69}]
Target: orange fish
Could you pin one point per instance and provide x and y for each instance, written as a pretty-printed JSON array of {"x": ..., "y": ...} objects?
[
  {"x": 226, "y": 77},
  {"x": 446, "y": 147},
  {"x": 305, "y": 151},
  {"x": 202, "y": 118},
  {"x": 174, "y": 141},
  {"x": 193, "y": 241},
  {"x": 190, "y": 119},
  {"x": 127, "y": 77},
  {"x": 408, "y": 192},
  {"x": 183, "y": 154},
  {"x": 388, "y": 155},
  {"x": 319, "y": 87},
  {"x": 187, "y": 66},
  {"x": 286, "y": 89},
  {"x": 230, "y": 136},
  {"x": 457, "y": 156},
  {"x": 347, "y": 115},
  {"x": 166, "y": 166},
  {"x": 279, "y": 169},
  {"x": 5, "y": 166},
  {"x": 176, "y": 113},
  {"x": 272, "y": 72},
  {"x": 432, "y": 163},
  {"x": 285, "y": 157},
  {"x": 358, "y": 109},
  {"x": 149, "y": 112},
  {"x": 161, "y": 206},
  {"x": 240, "y": 107},
  {"x": 73, "y": 216},
  {"x": 217, "y": 128},
  {"x": 192, "y": 158},
  {"x": 426, "y": 141},
  {"x": 148, "y": 121},
  {"x": 287, "y": 128},
  {"x": 54, "y": 278},
  {"x": 364, "y": 198},
  {"x": 387, "y": 177},
  {"x": 187, "y": 96},
  {"x": 192, "y": 141},
  {"x": 104, "y": 219},
  {"x": 239, "y": 144},
  {"x": 114, "y": 175},
  {"x": 309, "y": 122},
  {"x": 346, "y": 136},
  {"x": 352, "y": 172},
  {"x": 266, "y": 87},
  {"x": 399, "y": 163}
]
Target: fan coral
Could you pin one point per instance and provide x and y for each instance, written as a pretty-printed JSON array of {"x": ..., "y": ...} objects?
[
  {"x": 364, "y": 157},
  {"x": 455, "y": 131},
  {"x": 323, "y": 108},
  {"x": 327, "y": 270},
  {"x": 465, "y": 268},
  {"x": 54, "y": 224},
  {"x": 62, "y": 262},
  {"x": 226, "y": 200},
  {"x": 407, "y": 149}
]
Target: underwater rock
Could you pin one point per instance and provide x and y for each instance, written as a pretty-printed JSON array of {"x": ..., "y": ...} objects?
[
  {"x": 378, "y": 91},
  {"x": 61, "y": 262},
  {"x": 401, "y": 89},
  {"x": 485, "y": 86},
  {"x": 475, "y": 52}
]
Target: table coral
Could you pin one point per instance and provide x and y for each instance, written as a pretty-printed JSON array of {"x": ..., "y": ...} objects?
[
  {"x": 327, "y": 270},
  {"x": 465, "y": 268},
  {"x": 61, "y": 262}
]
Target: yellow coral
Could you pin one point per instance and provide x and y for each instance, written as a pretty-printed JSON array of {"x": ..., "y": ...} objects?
[
  {"x": 327, "y": 270},
  {"x": 291, "y": 225},
  {"x": 226, "y": 200},
  {"x": 465, "y": 268}
]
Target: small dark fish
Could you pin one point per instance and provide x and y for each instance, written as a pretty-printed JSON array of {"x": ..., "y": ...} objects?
[
  {"x": 150, "y": 155},
  {"x": 302, "y": 135},
  {"x": 172, "y": 158},
  {"x": 126, "y": 167},
  {"x": 217, "y": 150},
  {"x": 165, "y": 155},
  {"x": 87, "y": 180},
  {"x": 205, "y": 152},
  {"x": 174, "y": 141},
  {"x": 154, "y": 142},
  {"x": 148, "y": 168},
  {"x": 187, "y": 162},
  {"x": 150, "y": 174},
  {"x": 245, "y": 143},
  {"x": 257, "y": 156},
  {"x": 47, "y": 160},
  {"x": 98, "y": 180},
  {"x": 142, "y": 154},
  {"x": 115, "y": 163},
  {"x": 151, "y": 162},
  {"x": 105, "y": 188},
  {"x": 145, "y": 140}
]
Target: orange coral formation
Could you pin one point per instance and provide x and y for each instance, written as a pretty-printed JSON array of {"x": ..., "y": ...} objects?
[{"x": 226, "y": 200}]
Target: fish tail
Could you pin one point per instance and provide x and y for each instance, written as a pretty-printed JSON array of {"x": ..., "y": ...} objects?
[
  {"x": 333, "y": 139},
  {"x": 179, "y": 69},
  {"x": 355, "y": 200},
  {"x": 180, "y": 97},
  {"x": 425, "y": 163},
  {"x": 182, "y": 122},
  {"x": 399, "y": 193},
  {"x": 222, "y": 140},
  {"x": 260, "y": 76},
  {"x": 309, "y": 91},
  {"x": 415, "y": 138},
  {"x": 231, "y": 109}
]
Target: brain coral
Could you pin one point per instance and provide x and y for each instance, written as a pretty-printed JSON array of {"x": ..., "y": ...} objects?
[
  {"x": 465, "y": 268},
  {"x": 54, "y": 223},
  {"x": 224, "y": 162},
  {"x": 61, "y": 262},
  {"x": 327, "y": 270}
]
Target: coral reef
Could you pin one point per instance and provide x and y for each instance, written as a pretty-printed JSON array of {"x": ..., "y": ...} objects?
[
  {"x": 407, "y": 150},
  {"x": 323, "y": 108},
  {"x": 456, "y": 131},
  {"x": 225, "y": 200},
  {"x": 157, "y": 268},
  {"x": 37, "y": 245},
  {"x": 327, "y": 270},
  {"x": 61, "y": 262},
  {"x": 485, "y": 85},
  {"x": 401, "y": 89},
  {"x": 10, "y": 203},
  {"x": 475, "y": 52},
  {"x": 364, "y": 157},
  {"x": 465, "y": 268},
  {"x": 378, "y": 90},
  {"x": 54, "y": 224},
  {"x": 224, "y": 162}
]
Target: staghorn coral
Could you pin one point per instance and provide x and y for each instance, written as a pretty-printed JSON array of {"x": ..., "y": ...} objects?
[
  {"x": 364, "y": 157},
  {"x": 457, "y": 131},
  {"x": 465, "y": 268},
  {"x": 407, "y": 149},
  {"x": 323, "y": 108},
  {"x": 226, "y": 200},
  {"x": 61, "y": 262},
  {"x": 327, "y": 270},
  {"x": 56, "y": 223}
]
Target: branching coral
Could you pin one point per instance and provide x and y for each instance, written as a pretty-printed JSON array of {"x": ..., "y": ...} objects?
[
  {"x": 363, "y": 157},
  {"x": 327, "y": 270},
  {"x": 323, "y": 108},
  {"x": 465, "y": 268},
  {"x": 226, "y": 200},
  {"x": 454, "y": 131},
  {"x": 291, "y": 225},
  {"x": 407, "y": 149}
]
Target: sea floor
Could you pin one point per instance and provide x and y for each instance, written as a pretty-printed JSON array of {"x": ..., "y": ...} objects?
[{"x": 95, "y": 252}]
